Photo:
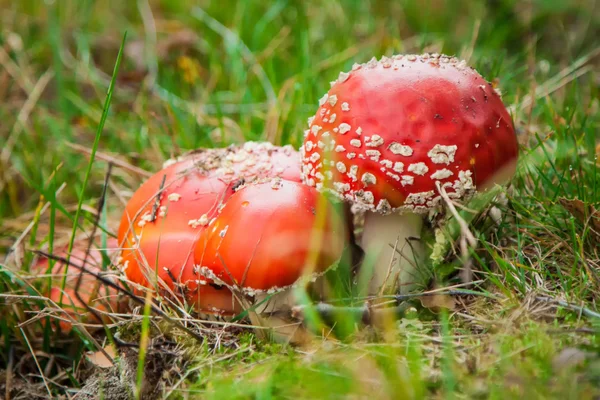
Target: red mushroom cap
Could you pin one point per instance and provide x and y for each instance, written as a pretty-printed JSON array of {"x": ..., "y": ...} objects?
[
  {"x": 264, "y": 237},
  {"x": 388, "y": 131},
  {"x": 92, "y": 291},
  {"x": 159, "y": 237}
]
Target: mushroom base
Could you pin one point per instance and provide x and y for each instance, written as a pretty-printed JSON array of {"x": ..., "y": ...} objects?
[
  {"x": 394, "y": 252},
  {"x": 274, "y": 317}
]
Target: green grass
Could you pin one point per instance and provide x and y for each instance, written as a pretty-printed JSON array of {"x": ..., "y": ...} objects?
[{"x": 216, "y": 73}]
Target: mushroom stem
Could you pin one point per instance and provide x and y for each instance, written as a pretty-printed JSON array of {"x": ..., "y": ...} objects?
[{"x": 392, "y": 244}]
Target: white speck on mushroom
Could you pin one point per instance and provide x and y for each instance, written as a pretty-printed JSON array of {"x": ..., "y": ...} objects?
[
  {"x": 315, "y": 129},
  {"x": 310, "y": 120},
  {"x": 341, "y": 187},
  {"x": 325, "y": 135},
  {"x": 162, "y": 211},
  {"x": 418, "y": 168},
  {"x": 320, "y": 144},
  {"x": 314, "y": 157},
  {"x": 344, "y": 127},
  {"x": 399, "y": 166},
  {"x": 340, "y": 149},
  {"x": 329, "y": 174},
  {"x": 351, "y": 156},
  {"x": 332, "y": 100},
  {"x": 407, "y": 180},
  {"x": 309, "y": 145},
  {"x": 368, "y": 197},
  {"x": 372, "y": 63},
  {"x": 353, "y": 172},
  {"x": 323, "y": 99},
  {"x": 441, "y": 154},
  {"x": 341, "y": 167},
  {"x": 386, "y": 62},
  {"x": 224, "y": 231},
  {"x": 441, "y": 174},
  {"x": 397, "y": 148},
  {"x": 343, "y": 77},
  {"x": 394, "y": 176},
  {"x": 419, "y": 198},
  {"x": 356, "y": 66},
  {"x": 368, "y": 179},
  {"x": 202, "y": 221},
  {"x": 174, "y": 197},
  {"x": 476, "y": 145},
  {"x": 387, "y": 163},
  {"x": 376, "y": 141},
  {"x": 373, "y": 154},
  {"x": 355, "y": 143},
  {"x": 464, "y": 182},
  {"x": 359, "y": 131},
  {"x": 319, "y": 176},
  {"x": 384, "y": 206},
  {"x": 345, "y": 106},
  {"x": 332, "y": 118}
]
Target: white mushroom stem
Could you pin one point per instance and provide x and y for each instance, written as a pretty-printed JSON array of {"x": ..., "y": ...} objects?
[{"x": 394, "y": 250}]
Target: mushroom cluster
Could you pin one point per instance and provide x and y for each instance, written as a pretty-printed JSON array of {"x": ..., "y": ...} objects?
[
  {"x": 219, "y": 228},
  {"x": 237, "y": 228}
]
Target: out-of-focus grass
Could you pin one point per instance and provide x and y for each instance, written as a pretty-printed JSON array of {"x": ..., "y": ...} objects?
[{"x": 213, "y": 73}]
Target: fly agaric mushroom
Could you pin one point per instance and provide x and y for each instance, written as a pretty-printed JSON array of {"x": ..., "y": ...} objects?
[
  {"x": 91, "y": 291},
  {"x": 267, "y": 237},
  {"x": 391, "y": 135},
  {"x": 159, "y": 234}
]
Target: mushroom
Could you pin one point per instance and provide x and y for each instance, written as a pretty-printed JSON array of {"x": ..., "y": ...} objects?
[
  {"x": 268, "y": 237},
  {"x": 392, "y": 135},
  {"x": 91, "y": 291},
  {"x": 165, "y": 216}
]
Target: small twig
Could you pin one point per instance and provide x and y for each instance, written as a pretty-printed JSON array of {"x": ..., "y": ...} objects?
[
  {"x": 36, "y": 361},
  {"x": 461, "y": 222},
  {"x": 580, "y": 309},
  {"x": 157, "y": 199},
  {"x": 467, "y": 235},
  {"x": 100, "y": 207}
]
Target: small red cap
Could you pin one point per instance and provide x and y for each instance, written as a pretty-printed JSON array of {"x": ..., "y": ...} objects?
[{"x": 92, "y": 291}]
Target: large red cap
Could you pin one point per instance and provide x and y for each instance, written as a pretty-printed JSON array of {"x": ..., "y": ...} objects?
[
  {"x": 269, "y": 235},
  {"x": 389, "y": 131},
  {"x": 159, "y": 236}
]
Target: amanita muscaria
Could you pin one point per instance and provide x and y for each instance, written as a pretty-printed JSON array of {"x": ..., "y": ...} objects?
[
  {"x": 165, "y": 216},
  {"x": 267, "y": 238},
  {"x": 392, "y": 134},
  {"x": 91, "y": 290}
]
